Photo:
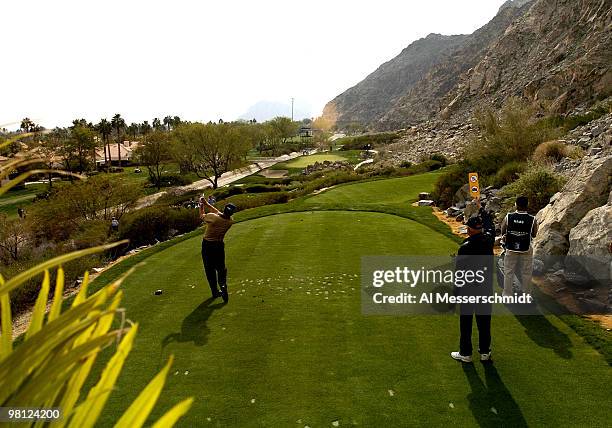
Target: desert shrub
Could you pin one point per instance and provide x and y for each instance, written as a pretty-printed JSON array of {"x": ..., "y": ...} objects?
[
  {"x": 554, "y": 151},
  {"x": 440, "y": 158},
  {"x": 510, "y": 135},
  {"x": 508, "y": 173},
  {"x": 448, "y": 183},
  {"x": 537, "y": 183},
  {"x": 91, "y": 234},
  {"x": 432, "y": 164}
]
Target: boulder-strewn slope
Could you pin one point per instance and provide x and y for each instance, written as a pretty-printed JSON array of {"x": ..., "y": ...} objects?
[{"x": 557, "y": 56}]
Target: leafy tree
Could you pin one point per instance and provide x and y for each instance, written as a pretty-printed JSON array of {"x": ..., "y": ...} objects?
[
  {"x": 14, "y": 237},
  {"x": 284, "y": 127},
  {"x": 78, "y": 147},
  {"x": 118, "y": 124},
  {"x": 98, "y": 198},
  {"x": 154, "y": 153},
  {"x": 210, "y": 150}
]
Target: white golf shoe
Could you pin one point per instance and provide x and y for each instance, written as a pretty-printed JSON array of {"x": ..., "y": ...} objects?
[
  {"x": 463, "y": 358},
  {"x": 485, "y": 357}
]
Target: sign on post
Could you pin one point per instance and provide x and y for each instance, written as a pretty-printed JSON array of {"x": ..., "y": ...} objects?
[{"x": 474, "y": 186}]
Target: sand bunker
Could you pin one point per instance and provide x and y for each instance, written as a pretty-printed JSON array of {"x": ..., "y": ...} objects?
[{"x": 274, "y": 173}]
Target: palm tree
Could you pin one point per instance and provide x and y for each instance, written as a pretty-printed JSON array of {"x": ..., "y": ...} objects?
[
  {"x": 156, "y": 123},
  {"x": 145, "y": 128},
  {"x": 168, "y": 122},
  {"x": 105, "y": 129},
  {"x": 27, "y": 124},
  {"x": 118, "y": 124},
  {"x": 133, "y": 130}
]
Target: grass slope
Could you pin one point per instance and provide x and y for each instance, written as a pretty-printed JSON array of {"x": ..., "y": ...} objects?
[{"x": 293, "y": 349}]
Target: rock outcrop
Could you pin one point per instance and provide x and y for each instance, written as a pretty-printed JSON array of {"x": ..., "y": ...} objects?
[
  {"x": 589, "y": 243},
  {"x": 586, "y": 190}
]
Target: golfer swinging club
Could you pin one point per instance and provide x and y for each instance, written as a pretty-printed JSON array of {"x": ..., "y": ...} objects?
[{"x": 213, "y": 249}]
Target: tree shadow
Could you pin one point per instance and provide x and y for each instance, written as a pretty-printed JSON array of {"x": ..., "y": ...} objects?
[
  {"x": 490, "y": 401},
  {"x": 544, "y": 334},
  {"x": 193, "y": 327}
]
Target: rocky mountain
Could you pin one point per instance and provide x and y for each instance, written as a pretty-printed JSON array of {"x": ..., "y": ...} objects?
[
  {"x": 370, "y": 99},
  {"x": 554, "y": 53}
]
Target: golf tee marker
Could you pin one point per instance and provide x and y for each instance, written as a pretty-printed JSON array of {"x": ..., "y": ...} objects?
[{"x": 474, "y": 186}]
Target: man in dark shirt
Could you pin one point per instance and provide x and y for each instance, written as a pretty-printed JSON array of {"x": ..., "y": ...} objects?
[{"x": 476, "y": 254}]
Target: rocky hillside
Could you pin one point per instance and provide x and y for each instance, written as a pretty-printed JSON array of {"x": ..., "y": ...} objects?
[
  {"x": 554, "y": 53},
  {"x": 370, "y": 99},
  {"x": 557, "y": 56}
]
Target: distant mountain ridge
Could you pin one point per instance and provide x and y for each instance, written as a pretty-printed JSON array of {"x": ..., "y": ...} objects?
[{"x": 554, "y": 53}]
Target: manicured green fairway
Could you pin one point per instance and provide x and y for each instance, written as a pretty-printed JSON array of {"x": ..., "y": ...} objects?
[
  {"x": 304, "y": 161},
  {"x": 293, "y": 349},
  {"x": 13, "y": 199}
]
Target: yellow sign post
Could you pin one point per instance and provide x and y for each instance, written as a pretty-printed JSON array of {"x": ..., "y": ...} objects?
[{"x": 474, "y": 186}]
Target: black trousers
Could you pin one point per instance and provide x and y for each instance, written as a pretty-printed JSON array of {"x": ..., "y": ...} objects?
[
  {"x": 213, "y": 257},
  {"x": 483, "y": 322}
]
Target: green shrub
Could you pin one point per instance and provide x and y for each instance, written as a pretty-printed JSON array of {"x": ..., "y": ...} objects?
[
  {"x": 405, "y": 164},
  {"x": 261, "y": 188},
  {"x": 253, "y": 200},
  {"x": 171, "y": 199},
  {"x": 168, "y": 180},
  {"x": 448, "y": 183},
  {"x": 440, "y": 158},
  {"x": 91, "y": 234},
  {"x": 146, "y": 226},
  {"x": 538, "y": 184},
  {"x": 225, "y": 192},
  {"x": 508, "y": 173},
  {"x": 185, "y": 220},
  {"x": 431, "y": 164},
  {"x": 153, "y": 224}
]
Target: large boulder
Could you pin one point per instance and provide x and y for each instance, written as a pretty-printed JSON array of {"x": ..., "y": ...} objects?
[
  {"x": 589, "y": 243},
  {"x": 586, "y": 190}
]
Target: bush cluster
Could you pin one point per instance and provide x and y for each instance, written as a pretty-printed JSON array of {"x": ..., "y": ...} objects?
[
  {"x": 538, "y": 183},
  {"x": 156, "y": 224}
]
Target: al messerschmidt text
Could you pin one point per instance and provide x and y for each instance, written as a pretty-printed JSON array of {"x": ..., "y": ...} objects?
[{"x": 410, "y": 298}]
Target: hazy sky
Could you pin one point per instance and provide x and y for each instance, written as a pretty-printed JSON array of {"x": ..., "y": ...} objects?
[{"x": 202, "y": 60}]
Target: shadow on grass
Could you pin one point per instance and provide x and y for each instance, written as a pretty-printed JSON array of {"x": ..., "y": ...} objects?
[
  {"x": 490, "y": 401},
  {"x": 194, "y": 328},
  {"x": 544, "y": 334}
]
